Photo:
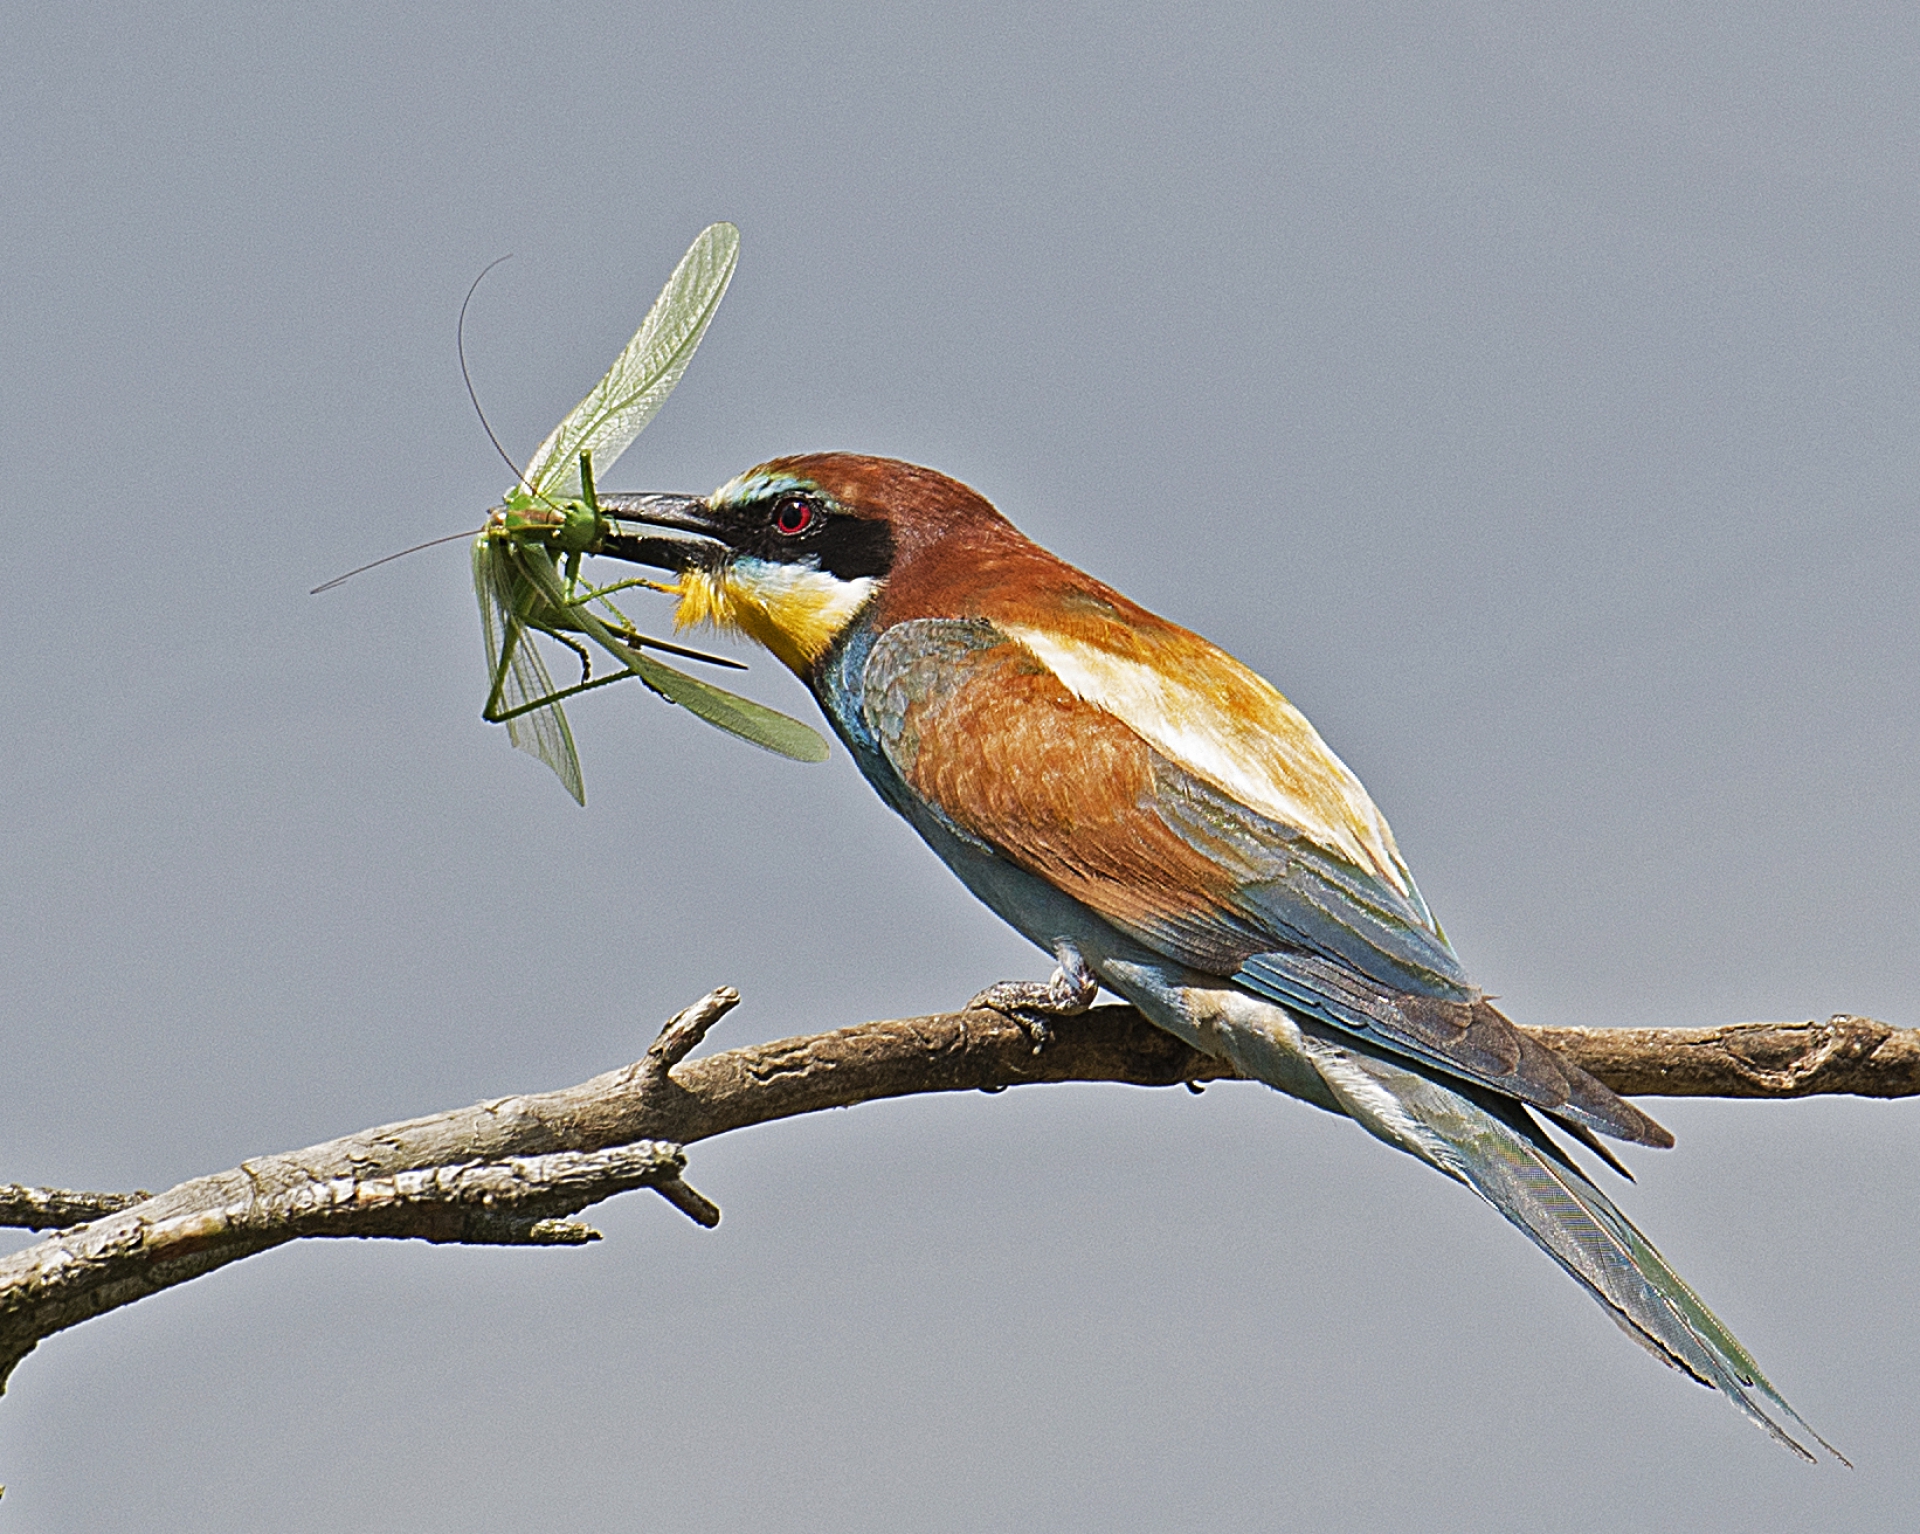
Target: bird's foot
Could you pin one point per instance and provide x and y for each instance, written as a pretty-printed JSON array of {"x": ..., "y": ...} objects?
[{"x": 1030, "y": 1003}]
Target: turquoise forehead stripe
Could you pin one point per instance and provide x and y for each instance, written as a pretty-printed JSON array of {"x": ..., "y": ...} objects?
[{"x": 755, "y": 485}]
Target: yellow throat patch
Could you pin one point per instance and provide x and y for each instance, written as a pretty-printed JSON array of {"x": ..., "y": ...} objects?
[{"x": 793, "y": 610}]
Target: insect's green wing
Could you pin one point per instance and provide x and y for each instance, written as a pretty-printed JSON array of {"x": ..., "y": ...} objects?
[
  {"x": 523, "y": 678},
  {"x": 765, "y": 727},
  {"x": 644, "y": 374},
  {"x": 601, "y": 426}
]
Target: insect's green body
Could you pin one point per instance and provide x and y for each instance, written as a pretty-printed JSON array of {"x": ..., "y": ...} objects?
[{"x": 526, "y": 561}]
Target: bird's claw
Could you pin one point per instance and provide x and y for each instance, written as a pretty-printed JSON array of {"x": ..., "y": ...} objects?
[
  {"x": 1025, "y": 1001},
  {"x": 1030, "y": 1003}
]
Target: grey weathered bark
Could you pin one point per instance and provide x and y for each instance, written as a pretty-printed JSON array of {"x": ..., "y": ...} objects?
[{"x": 510, "y": 1171}]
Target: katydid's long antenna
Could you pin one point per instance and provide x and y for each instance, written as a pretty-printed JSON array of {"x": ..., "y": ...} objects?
[
  {"x": 466, "y": 377},
  {"x": 460, "y": 345},
  {"x": 431, "y": 543}
]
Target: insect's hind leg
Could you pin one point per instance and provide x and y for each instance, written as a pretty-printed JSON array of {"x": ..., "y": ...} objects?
[{"x": 586, "y": 656}]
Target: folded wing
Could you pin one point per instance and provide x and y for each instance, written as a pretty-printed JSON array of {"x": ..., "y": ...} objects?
[{"x": 1168, "y": 788}]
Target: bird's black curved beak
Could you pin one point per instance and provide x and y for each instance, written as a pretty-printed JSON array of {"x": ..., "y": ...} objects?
[{"x": 665, "y": 532}]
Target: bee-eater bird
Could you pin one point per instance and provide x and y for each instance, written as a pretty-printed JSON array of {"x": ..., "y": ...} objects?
[{"x": 1166, "y": 825}]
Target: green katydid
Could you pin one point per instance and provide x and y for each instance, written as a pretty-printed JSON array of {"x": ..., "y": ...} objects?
[{"x": 526, "y": 561}]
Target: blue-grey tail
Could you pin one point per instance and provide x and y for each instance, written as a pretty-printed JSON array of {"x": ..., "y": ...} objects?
[
  {"x": 1483, "y": 1139},
  {"x": 1488, "y": 1141},
  {"x": 1495, "y": 1147}
]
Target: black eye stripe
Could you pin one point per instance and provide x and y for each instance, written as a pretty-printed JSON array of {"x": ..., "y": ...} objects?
[{"x": 804, "y": 526}]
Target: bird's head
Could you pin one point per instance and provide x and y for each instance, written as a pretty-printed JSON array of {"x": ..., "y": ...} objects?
[{"x": 789, "y": 553}]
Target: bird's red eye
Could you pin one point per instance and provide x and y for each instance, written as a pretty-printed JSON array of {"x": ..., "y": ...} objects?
[{"x": 793, "y": 516}]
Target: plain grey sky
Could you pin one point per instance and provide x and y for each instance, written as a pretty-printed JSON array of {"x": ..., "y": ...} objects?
[{"x": 1529, "y": 390}]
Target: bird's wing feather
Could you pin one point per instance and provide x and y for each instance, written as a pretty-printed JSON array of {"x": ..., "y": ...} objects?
[
  {"x": 984, "y": 731},
  {"x": 1357, "y": 959},
  {"x": 1293, "y": 889},
  {"x": 1223, "y": 723},
  {"x": 987, "y": 737}
]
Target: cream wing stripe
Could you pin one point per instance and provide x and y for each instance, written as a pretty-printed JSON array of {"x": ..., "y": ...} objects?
[{"x": 1240, "y": 735}]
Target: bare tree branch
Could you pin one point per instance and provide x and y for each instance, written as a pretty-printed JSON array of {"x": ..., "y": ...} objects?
[
  {"x": 1852, "y": 1055},
  {"x": 24, "y": 1208},
  {"x": 510, "y": 1171}
]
